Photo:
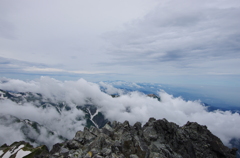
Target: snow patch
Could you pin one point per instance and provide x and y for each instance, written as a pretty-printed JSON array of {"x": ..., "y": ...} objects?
[
  {"x": 1, "y": 95},
  {"x": 12, "y": 151},
  {"x": 21, "y": 153},
  {"x": 92, "y": 116},
  {"x": 27, "y": 122},
  {"x": 16, "y": 94},
  {"x": 1, "y": 152}
]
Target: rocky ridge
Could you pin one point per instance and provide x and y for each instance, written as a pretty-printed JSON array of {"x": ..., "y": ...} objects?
[{"x": 157, "y": 138}]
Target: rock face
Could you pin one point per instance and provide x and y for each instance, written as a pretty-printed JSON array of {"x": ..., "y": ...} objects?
[{"x": 156, "y": 139}]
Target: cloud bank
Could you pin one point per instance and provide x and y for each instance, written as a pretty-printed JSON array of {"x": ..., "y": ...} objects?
[{"x": 131, "y": 106}]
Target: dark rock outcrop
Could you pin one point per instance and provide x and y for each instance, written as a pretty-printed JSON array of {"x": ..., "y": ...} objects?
[{"x": 157, "y": 138}]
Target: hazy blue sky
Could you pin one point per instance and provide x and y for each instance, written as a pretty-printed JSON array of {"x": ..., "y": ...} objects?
[{"x": 167, "y": 41}]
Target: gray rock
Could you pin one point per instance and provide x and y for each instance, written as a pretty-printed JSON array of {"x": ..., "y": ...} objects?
[
  {"x": 106, "y": 151},
  {"x": 133, "y": 156},
  {"x": 156, "y": 139}
]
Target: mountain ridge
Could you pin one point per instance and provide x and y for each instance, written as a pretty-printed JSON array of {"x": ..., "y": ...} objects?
[{"x": 156, "y": 138}]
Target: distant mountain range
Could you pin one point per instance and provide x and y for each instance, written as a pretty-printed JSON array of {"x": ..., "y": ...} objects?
[{"x": 176, "y": 91}]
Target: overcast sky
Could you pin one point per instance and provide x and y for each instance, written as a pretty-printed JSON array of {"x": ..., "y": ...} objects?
[{"x": 167, "y": 41}]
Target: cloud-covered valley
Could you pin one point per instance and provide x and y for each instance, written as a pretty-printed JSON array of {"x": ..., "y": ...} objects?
[{"x": 132, "y": 106}]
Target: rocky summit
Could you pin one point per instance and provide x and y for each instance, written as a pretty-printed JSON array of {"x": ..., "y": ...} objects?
[{"x": 155, "y": 139}]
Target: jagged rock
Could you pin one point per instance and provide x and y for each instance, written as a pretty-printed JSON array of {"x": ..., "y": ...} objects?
[
  {"x": 154, "y": 96},
  {"x": 157, "y": 138}
]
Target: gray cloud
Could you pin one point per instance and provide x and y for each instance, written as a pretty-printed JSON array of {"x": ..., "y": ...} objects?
[
  {"x": 179, "y": 33},
  {"x": 7, "y": 30},
  {"x": 13, "y": 66},
  {"x": 52, "y": 32}
]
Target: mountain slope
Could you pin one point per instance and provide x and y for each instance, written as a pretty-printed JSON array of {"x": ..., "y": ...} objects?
[{"x": 47, "y": 130}]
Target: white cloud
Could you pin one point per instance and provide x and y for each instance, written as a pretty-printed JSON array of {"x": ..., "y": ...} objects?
[
  {"x": 34, "y": 69},
  {"x": 49, "y": 117},
  {"x": 43, "y": 69},
  {"x": 88, "y": 72},
  {"x": 109, "y": 89},
  {"x": 10, "y": 134}
]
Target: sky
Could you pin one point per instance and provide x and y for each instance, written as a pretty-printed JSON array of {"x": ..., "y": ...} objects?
[{"x": 184, "y": 42}]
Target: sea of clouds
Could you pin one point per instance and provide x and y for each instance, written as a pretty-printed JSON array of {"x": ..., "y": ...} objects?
[{"x": 132, "y": 106}]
